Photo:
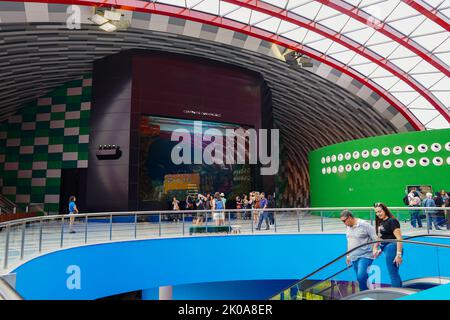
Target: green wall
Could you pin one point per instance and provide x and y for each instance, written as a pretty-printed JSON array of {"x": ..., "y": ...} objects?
[
  {"x": 47, "y": 135},
  {"x": 364, "y": 187}
]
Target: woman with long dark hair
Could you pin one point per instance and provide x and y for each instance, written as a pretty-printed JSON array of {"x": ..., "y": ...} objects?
[{"x": 388, "y": 228}]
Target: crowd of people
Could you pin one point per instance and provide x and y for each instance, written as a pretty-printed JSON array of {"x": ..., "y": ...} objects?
[
  {"x": 435, "y": 217},
  {"x": 247, "y": 207}
]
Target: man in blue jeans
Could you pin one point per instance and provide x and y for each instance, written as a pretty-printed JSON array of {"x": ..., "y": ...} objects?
[
  {"x": 359, "y": 232},
  {"x": 264, "y": 215}
]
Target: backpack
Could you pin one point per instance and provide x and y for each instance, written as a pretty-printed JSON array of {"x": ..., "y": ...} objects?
[
  {"x": 219, "y": 204},
  {"x": 406, "y": 200}
]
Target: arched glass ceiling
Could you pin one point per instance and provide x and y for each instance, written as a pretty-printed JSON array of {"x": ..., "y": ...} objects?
[
  {"x": 403, "y": 46},
  {"x": 398, "y": 48}
]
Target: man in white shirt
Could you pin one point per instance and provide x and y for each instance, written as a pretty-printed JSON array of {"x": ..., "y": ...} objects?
[{"x": 359, "y": 232}]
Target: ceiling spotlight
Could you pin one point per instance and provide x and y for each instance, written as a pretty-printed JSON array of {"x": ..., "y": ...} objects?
[
  {"x": 298, "y": 60},
  {"x": 98, "y": 19},
  {"x": 108, "y": 27},
  {"x": 112, "y": 15},
  {"x": 109, "y": 20}
]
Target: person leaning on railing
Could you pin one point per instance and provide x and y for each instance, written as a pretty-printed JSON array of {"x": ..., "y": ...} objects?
[{"x": 388, "y": 228}]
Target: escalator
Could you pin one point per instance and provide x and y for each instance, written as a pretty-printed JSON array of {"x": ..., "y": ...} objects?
[{"x": 336, "y": 281}]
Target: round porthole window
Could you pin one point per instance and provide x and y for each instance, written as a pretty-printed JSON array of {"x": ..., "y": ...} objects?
[
  {"x": 340, "y": 157},
  {"x": 411, "y": 162},
  {"x": 356, "y": 166},
  {"x": 366, "y": 166},
  {"x": 448, "y": 161},
  {"x": 387, "y": 164},
  {"x": 328, "y": 170},
  {"x": 348, "y": 156},
  {"x": 409, "y": 149},
  {"x": 436, "y": 147},
  {"x": 397, "y": 150},
  {"x": 398, "y": 163},
  {"x": 447, "y": 146},
  {"x": 348, "y": 168},
  {"x": 375, "y": 152},
  {"x": 386, "y": 151},
  {"x": 341, "y": 169},
  {"x": 322, "y": 160},
  {"x": 424, "y": 162},
  {"x": 376, "y": 165},
  {"x": 356, "y": 155},
  {"x": 333, "y": 158},
  {"x": 334, "y": 169},
  {"x": 422, "y": 148},
  {"x": 438, "y": 161},
  {"x": 365, "y": 154},
  {"x": 327, "y": 159},
  {"x": 324, "y": 170}
]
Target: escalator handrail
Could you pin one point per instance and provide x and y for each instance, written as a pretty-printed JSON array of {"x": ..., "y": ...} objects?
[{"x": 406, "y": 240}]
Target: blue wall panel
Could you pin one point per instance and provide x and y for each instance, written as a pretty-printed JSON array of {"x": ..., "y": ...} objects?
[{"x": 118, "y": 267}]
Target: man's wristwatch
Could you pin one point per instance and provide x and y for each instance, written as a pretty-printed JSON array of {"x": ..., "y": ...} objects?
[{"x": 399, "y": 254}]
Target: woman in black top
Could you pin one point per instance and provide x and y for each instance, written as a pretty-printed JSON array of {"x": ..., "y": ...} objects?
[{"x": 388, "y": 228}]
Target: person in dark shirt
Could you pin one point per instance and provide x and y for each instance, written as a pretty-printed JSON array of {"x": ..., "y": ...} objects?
[{"x": 388, "y": 228}]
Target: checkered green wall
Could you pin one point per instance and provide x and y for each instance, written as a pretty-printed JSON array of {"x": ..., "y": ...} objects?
[{"x": 47, "y": 135}]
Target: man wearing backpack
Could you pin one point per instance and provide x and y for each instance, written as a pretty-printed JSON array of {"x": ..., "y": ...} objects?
[{"x": 414, "y": 201}]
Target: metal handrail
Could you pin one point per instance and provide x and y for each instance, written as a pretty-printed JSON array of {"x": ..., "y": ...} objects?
[
  {"x": 157, "y": 212},
  {"x": 7, "y": 292},
  {"x": 363, "y": 245},
  {"x": 303, "y": 215}
]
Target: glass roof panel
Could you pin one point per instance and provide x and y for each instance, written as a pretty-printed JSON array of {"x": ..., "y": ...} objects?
[
  {"x": 209, "y": 6},
  {"x": 431, "y": 41},
  {"x": 384, "y": 49},
  {"x": 380, "y": 73},
  {"x": 241, "y": 15},
  {"x": 386, "y": 82},
  {"x": 407, "y": 63},
  {"x": 381, "y": 10},
  {"x": 438, "y": 123},
  {"x": 295, "y": 3},
  {"x": 406, "y": 97},
  {"x": 434, "y": 3},
  {"x": 360, "y": 36},
  {"x": 443, "y": 96},
  {"x": 428, "y": 79},
  {"x": 365, "y": 69},
  {"x": 444, "y": 47},
  {"x": 421, "y": 103},
  {"x": 226, "y": 8},
  {"x": 344, "y": 57},
  {"x": 427, "y": 27},
  {"x": 409, "y": 25},
  {"x": 257, "y": 17},
  {"x": 178, "y": 3},
  {"x": 191, "y": 3},
  {"x": 308, "y": 10},
  {"x": 271, "y": 24},
  {"x": 425, "y": 116},
  {"x": 278, "y": 3},
  {"x": 335, "y": 23},
  {"x": 443, "y": 84},
  {"x": 296, "y": 35},
  {"x": 322, "y": 45},
  {"x": 286, "y": 26}
]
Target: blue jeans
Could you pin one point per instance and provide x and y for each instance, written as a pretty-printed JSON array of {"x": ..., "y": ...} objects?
[
  {"x": 433, "y": 218},
  {"x": 263, "y": 216},
  {"x": 360, "y": 266},
  {"x": 390, "y": 251},
  {"x": 415, "y": 216}
]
